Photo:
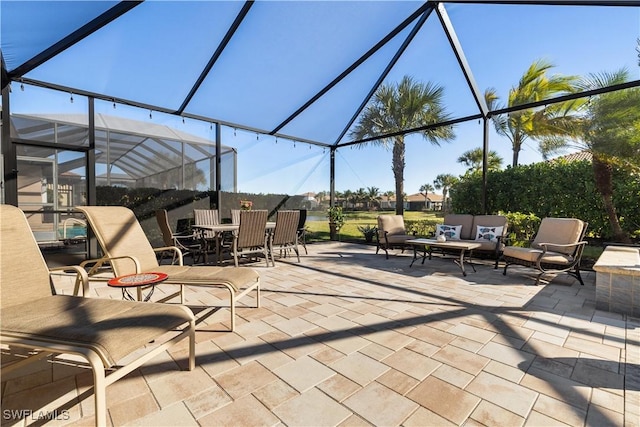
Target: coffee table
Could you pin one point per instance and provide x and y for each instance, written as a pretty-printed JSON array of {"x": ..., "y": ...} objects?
[{"x": 464, "y": 248}]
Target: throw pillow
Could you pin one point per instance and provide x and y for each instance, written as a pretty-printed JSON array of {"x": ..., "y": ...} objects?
[
  {"x": 488, "y": 233},
  {"x": 451, "y": 232}
]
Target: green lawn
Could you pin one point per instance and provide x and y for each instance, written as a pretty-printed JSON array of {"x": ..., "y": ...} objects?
[{"x": 319, "y": 229}]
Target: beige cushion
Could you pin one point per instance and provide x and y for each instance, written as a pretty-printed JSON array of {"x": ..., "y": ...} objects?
[
  {"x": 399, "y": 238},
  {"x": 486, "y": 245},
  {"x": 466, "y": 220},
  {"x": 392, "y": 224},
  {"x": 561, "y": 231},
  {"x": 237, "y": 278},
  {"x": 531, "y": 255}
]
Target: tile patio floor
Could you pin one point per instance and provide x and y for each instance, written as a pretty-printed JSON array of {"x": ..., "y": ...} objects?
[{"x": 347, "y": 338}]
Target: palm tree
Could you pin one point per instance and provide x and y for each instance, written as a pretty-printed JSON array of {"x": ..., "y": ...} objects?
[
  {"x": 473, "y": 159},
  {"x": 549, "y": 125},
  {"x": 424, "y": 190},
  {"x": 373, "y": 196},
  {"x": 399, "y": 107},
  {"x": 360, "y": 196},
  {"x": 444, "y": 182},
  {"x": 611, "y": 132}
]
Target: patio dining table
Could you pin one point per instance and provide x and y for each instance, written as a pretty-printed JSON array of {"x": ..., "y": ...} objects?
[{"x": 219, "y": 230}]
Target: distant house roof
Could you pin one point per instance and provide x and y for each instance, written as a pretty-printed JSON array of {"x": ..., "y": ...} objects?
[
  {"x": 417, "y": 197},
  {"x": 574, "y": 157}
]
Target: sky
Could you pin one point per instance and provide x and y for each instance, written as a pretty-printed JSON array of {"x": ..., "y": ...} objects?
[{"x": 285, "y": 52}]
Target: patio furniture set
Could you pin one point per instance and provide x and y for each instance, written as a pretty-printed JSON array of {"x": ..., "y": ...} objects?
[
  {"x": 107, "y": 331},
  {"x": 557, "y": 247}
]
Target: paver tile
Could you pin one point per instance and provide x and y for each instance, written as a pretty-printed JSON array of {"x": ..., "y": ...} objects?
[
  {"x": 444, "y": 399},
  {"x": 472, "y": 333},
  {"x": 339, "y": 387},
  {"x": 275, "y": 393},
  {"x": 312, "y": 408},
  {"x": 303, "y": 373},
  {"x": 180, "y": 385},
  {"x": 461, "y": 359},
  {"x": 453, "y": 375},
  {"x": 411, "y": 363},
  {"x": 506, "y": 394},
  {"x": 207, "y": 401},
  {"x": 489, "y": 414},
  {"x": 424, "y": 417},
  {"x": 245, "y": 379},
  {"x": 359, "y": 368},
  {"x": 246, "y": 411},
  {"x": 380, "y": 405},
  {"x": 171, "y": 416}
]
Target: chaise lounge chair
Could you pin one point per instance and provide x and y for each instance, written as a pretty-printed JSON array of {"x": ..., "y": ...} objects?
[
  {"x": 128, "y": 251},
  {"x": 103, "y": 331}
]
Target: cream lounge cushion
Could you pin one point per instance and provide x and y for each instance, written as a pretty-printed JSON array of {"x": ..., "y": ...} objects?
[
  {"x": 465, "y": 220},
  {"x": 559, "y": 231},
  {"x": 532, "y": 255},
  {"x": 392, "y": 224}
]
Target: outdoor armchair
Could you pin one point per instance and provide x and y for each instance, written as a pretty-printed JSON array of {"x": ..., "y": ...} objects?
[
  {"x": 128, "y": 251},
  {"x": 556, "y": 248},
  {"x": 103, "y": 331},
  {"x": 392, "y": 233}
]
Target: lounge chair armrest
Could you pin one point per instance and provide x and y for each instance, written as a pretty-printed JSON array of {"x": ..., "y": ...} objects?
[
  {"x": 99, "y": 262},
  {"x": 545, "y": 246},
  {"x": 81, "y": 278},
  {"x": 177, "y": 253}
]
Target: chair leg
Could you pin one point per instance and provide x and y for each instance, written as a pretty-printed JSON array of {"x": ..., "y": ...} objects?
[
  {"x": 504, "y": 272},
  {"x": 578, "y": 276},
  {"x": 233, "y": 309},
  {"x": 99, "y": 390},
  {"x": 538, "y": 278}
]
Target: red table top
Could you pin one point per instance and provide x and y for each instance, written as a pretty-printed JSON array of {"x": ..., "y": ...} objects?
[{"x": 139, "y": 279}]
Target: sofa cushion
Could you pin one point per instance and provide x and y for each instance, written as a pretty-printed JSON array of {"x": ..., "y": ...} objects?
[
  {"x": 488, "y": 233},
  {"x": 466, "y": 220},
  {"x": 392, "y": 224},
  {"x": 531, "y": 255},
  {"x": 451, "y": 232},
  {"x": 560, "y": 231}
]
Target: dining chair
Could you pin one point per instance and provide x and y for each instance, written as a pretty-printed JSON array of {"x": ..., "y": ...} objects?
[
  {"x": 285, "y": 234},
  {"x": 301, "y": 231},
  {"x": 189, "y": 243},
  {"x": 235, "y": 216},
  {"x": 251, "y": 237},
  {"x": 208, "y": 217}
]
